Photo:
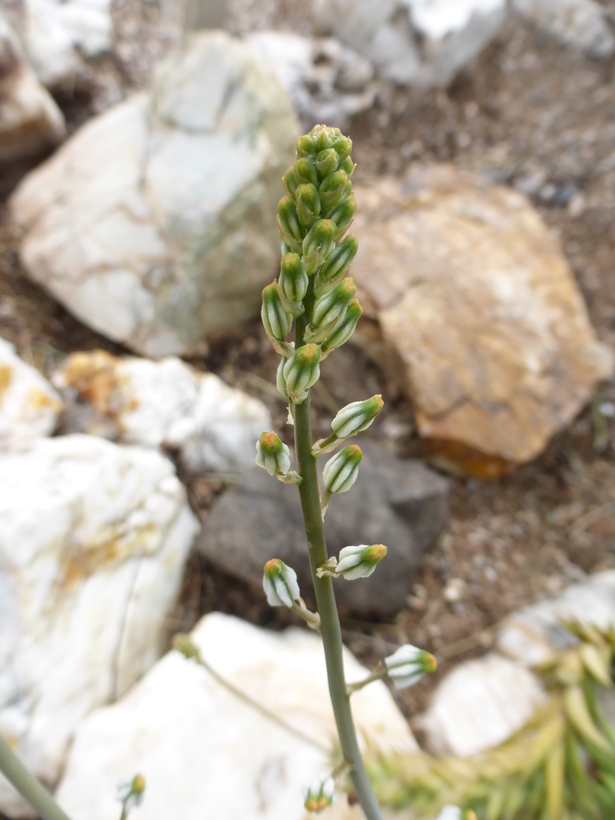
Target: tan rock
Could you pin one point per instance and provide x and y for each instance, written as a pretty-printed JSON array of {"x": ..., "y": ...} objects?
[{"x": 472, "y": 293}]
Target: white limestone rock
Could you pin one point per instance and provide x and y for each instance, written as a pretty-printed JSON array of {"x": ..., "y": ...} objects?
[
  {"x": 93, "y": 543},
  {"x": 326, "y": 81},
  {"x": 202, "y": 750},
  {"x": 30, "y": 120},
  {"x": 536, "y": 633},
  {"x": 422, "y": 43},
  {"x": 60, "y": 33},
  {"x": 155, "y": 223},
  {"x": 29, "y": 406},
  {"x": 579, "y": 23},
  {"x": 164, "y": 404},
  {"x": 479, "y": 705}
]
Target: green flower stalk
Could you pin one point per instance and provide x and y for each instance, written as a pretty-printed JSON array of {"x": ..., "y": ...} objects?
[{"x": 313, "y": 218}]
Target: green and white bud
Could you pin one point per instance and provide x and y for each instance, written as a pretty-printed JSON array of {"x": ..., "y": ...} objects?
[
  {"x": 308, "y": 205},
  {"x": 292, "y": 283},
  {"x": 326, "y": 162},
  {"x": 343, "y": 216},
  {"x": 320, "y": 796},
  {"x": 334, "y": 304},
  {"x": 276, "y": 320},
  {"x": 305, "y": 172},
  {"x": 348, "y": 166},
  {"x": 280, "y": 584},
  {"x": 290, "y": 183},
  {"x": 305, "y": 146},
  {"x": 318, "y": 244},
  {"x": 359, "y": 562},
  {"x": 324, "y": 136},
  {"x": 408, "y": 665},
  {"x": 280, "y": 381},
  {"x": 131, "y": 794},
  {"x": 288, "y": 223},
  {"x": 341, "y": 471},
  {"x": 336, "y": 267},
  {"x": 272, "y": 454},
  {"x": 342, "y": 146},
  {"x": 301, "y": 371},
  {"x": 356, "y": 417},
  {"x": 332, "y": 189},
  {"x": 344, "y": 328}
]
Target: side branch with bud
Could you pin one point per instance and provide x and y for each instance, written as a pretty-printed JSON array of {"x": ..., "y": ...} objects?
[{"x": 314, "y": 293}]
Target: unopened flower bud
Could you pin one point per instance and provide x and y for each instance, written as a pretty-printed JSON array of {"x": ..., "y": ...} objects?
[
  {"x": 293, "y": 280},
  {"x": 326, "y": 162},
  {"x": 356, "y": 417},
  {"x": 360, "y": 562},
  {"x": 305, "y": 146},
  {"x": 272, "y": 454},
  {"x": 320, "y": 796},
  {"x": 342, "y": 146},
  {"x": 289, "y": 224},
  {"x": 336, "y": 266},
  {"x": 348, "y": 166},
  {"x": 280, "y": 381},
  {"x": 301, "y": 371},
  {"x": 333, "y": 304},
  {"x": 455, "y": 813},
  {"x": 408, "y": 665},
  {"x": 308, "y": 205},
  {"x": 341, "y": 471},
  {"x": 331, "y": 190},
  {"x": 324, "y": 136},
  {"x": 280, "y": 584},
  {"x": 345, "y": 327},
  {"x": 318, "y": 244},
  {"x": 290, "y": 182},
  {"x": 305, "y": 171},
  {"x": 131, "y": 794},
  {"x": 343, "y": 216},
  {"x": 276, "y": 321}
]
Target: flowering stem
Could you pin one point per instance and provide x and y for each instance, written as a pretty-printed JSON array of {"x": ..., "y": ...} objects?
[
  {"x": 28, "y": 786},
  {"x": 325, "y": 598}
]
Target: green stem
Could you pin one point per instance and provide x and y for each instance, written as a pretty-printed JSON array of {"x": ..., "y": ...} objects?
[
  {"x": 28, "y": 786},
  {"x": 327, "y": 608}
]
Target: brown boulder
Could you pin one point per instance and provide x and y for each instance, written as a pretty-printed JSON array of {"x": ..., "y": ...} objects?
[{"x": 479, "y": 313}]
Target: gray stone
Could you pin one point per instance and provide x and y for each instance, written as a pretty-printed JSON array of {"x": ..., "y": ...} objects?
[
  {"x": 579, "y": 23},
  {"x": 398, "y": 503},
  {"x": 155, "y": 223}
]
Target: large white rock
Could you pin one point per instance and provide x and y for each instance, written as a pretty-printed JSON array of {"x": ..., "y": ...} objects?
[
  {"x": 203, "y": 751},
  {"x": 423, "y": 43},
  {"x": 536, "y": 633},
  {"x": 93, "y": 542},
  {"x": 155, "y": 223},
  {"x": 29, "y": 406},
  {"x": 579, "y": 23},
  {"x": 58, "y": 33},
  {"x": 326, "y": 81},
  {"x": 479, "y": 705},
  {"x": 30, "y": 120},
  {"x": 163, "y": 404}
]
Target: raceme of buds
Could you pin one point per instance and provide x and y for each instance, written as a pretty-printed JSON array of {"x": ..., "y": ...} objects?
[
  {"x": 359, "y": 562},
  {"x": 408, "y": 665},
  {"x": 334, "y": 304},
  {"x": 344, "y": 329},
  {"x": 280, "y": 584},
  {"x": 308, "y": 205},
  {"x": 272, "y": 454},
  {"x": 336, "y": 266},
  {"x": 356, "y": 417},
  {"x": 276, "y": 320},
  {"x": 301, "y": 371},
  {"x": 293, "y": 279},
  {"x": 341, "y": 471},
  {"x": 320, "y": 796}
]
